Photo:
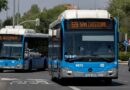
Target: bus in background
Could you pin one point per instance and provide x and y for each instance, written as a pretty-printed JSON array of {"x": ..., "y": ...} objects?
[
  {"x": 22, "y": 49},
  {"x": 83, "y": 44}
]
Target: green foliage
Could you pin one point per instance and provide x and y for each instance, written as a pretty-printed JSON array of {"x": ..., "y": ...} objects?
[
  {"x": 8, "y": 21},
  {"x": 56, "y": 11},
  {"x": 32, "y": 14},
  {"x": 3, "y": 5},
  {"x": 116, "y": 8},
  {"x": 124, "y": 56},
  {"x": 46, "y": 16},
  {"x": 128, "y": 49},
  {"x": 121, "y": 47},
  {"x": 121, "y": 9}
]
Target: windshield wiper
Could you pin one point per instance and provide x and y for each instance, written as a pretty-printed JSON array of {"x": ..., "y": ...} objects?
[
  {"x": 108, "y": 59},
  {"x": 2, "y": 57},
  {"x": 77, "y": 59},
  {"x": 13, "y": 58},
  {"x": 91, "y": 59}
]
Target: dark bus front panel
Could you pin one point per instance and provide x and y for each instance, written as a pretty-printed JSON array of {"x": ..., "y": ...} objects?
[{"x": 11, "y": 52}]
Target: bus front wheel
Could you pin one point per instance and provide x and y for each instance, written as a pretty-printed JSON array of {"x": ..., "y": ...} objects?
[
  {"x": 30, "y": 66},
  {"x": 44, "y": 65},
  {"x": 1, "y": 70},
  {"x": 53, "y": 78},
  {"x": 108, "y": 81}
]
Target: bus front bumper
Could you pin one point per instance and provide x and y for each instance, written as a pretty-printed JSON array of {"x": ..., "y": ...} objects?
[
  {"x": 19, "y": 66},
  {"x": 112, "y": 73}
]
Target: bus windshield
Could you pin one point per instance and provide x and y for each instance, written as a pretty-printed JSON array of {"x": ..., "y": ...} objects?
[
  {"x": 10, "y": 50},
  {"x": 89, "y": 46}
]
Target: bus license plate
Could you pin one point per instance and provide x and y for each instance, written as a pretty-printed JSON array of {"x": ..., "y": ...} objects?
[{"x": 90, "y": 75}]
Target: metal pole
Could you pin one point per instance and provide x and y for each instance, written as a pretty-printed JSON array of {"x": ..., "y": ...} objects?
[
  {"x": 18, "y": 14},
  {"x": 126, "y": 50},
  {"x": 1, "y": 24},
  {"x": 126, "y": 45},
  {"x": 73, "y": 3},
  {"x": 95, "y": 4},
  {"x": 78, "y": 4},
  {"x": 13, "y": 13},
  {"x": 7, "y": 12}
]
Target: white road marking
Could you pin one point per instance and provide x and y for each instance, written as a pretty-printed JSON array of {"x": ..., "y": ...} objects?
[
  {"x": 74, "y": 88},
  {"x": 126, "y": 63},
  {"x": 18, "y": 82},
  {"x": 39, "y": 81},
  {"x": 9, "y": 79},
  {"x": 123, "y": 63},
  {"x": 30, "y": 81},
  {"x": 123, "y": 81}
]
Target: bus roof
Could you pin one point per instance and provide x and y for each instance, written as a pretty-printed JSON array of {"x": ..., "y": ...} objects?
[
  {"x": 74, "y": 14},
  {"x": 19, "y": 30},
  {"x": 82, "y": 14},
  {"x": 40, "y": 35}
]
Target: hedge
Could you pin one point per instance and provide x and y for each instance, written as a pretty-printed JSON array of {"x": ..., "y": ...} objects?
[{"x": 124, "y": 56}]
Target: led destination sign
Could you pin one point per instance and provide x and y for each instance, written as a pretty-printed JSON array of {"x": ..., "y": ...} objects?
[
  {"x": 88, "y": 24},
  {"x": 9, "y": 38}
]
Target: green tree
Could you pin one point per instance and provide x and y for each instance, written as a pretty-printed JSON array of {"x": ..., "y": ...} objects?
[
  {"x": 32, "y": 14},
  {"x": 46, "y": 16},
  {"x": 3, "y": 5},
  {"x": 8, "y": 21},
  {"x": 121, "y": 9}
]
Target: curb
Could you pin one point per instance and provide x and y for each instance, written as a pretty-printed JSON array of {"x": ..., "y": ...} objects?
[{"x": 123, "y": 62}]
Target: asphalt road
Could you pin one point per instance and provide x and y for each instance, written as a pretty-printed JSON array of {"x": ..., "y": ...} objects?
[{"x": 40, "y": 80}]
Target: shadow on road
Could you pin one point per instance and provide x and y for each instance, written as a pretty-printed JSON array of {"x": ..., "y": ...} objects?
[
  {"x": 86, "y": 82},
  {"x": 22, "y": 71}
]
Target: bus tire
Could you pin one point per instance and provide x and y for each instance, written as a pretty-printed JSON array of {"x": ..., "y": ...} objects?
[
  {"x": 1, "y": 70},
  {"x": 108, "y": 81},
  {"x": 54, "y": 79},
  {"x": 44, "y": 65},
  {"x": 18, "y": 70},
  {"x": 30, "y": 67}
]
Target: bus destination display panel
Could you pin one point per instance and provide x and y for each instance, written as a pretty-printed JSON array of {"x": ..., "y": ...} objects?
[
  {"x": 10, "y": 38},
  {"x": 83, "y": 24}
]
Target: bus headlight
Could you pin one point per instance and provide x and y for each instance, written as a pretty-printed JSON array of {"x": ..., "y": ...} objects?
[
  {"x": 112, "y": 72},
  {"x": 19, "y": 66},
  {"x": 67, "y": 71}
]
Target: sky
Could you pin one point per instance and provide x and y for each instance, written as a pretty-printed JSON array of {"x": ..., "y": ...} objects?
[{"x": 25, "y": 5}]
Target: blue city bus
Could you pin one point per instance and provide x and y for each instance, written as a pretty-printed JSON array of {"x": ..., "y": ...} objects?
[
  {"x": 83, "y": 44},
  {"x": 22, "y": 49}
]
